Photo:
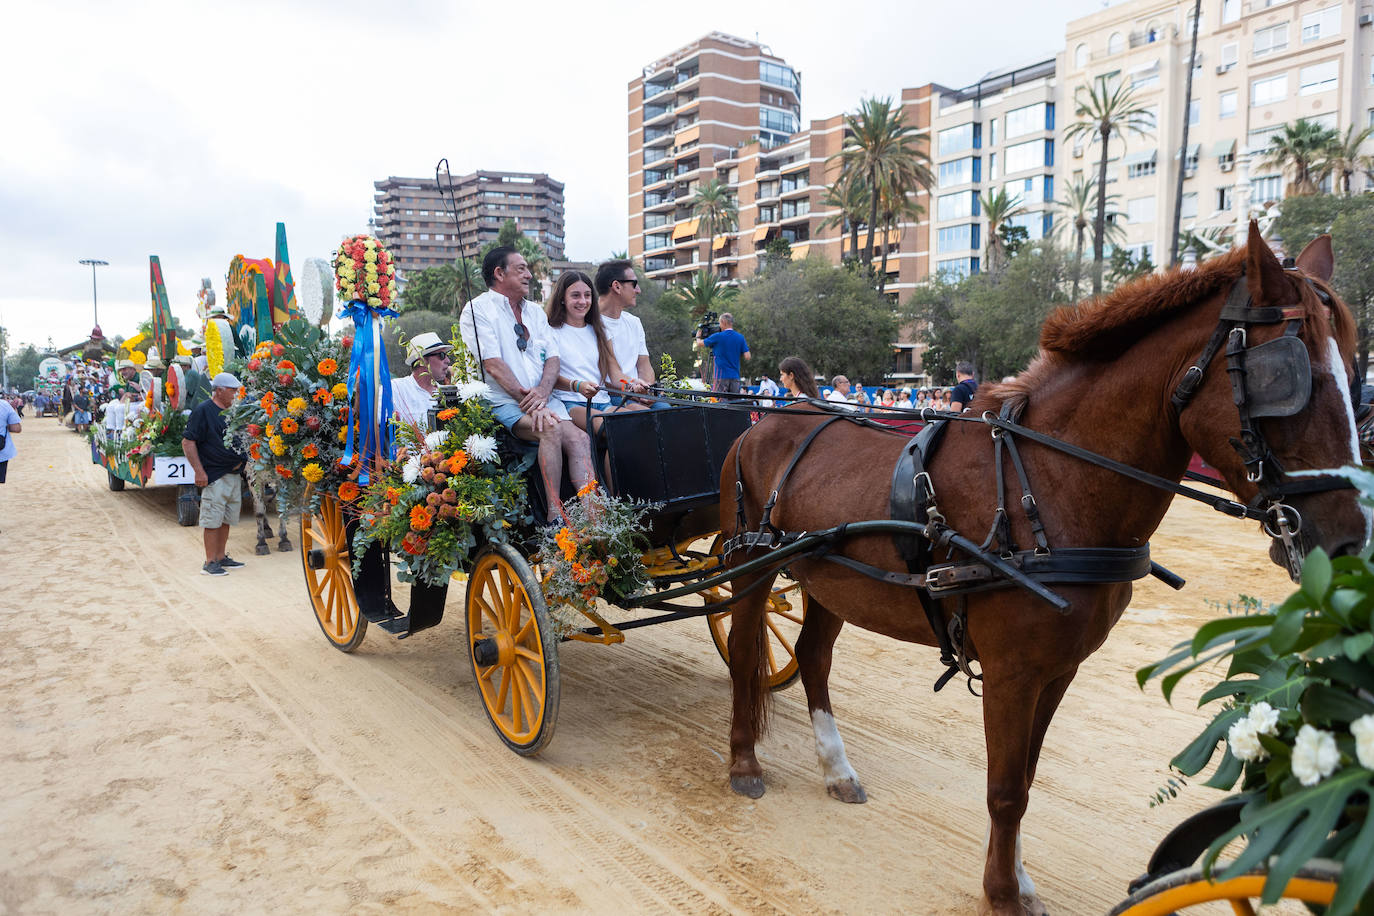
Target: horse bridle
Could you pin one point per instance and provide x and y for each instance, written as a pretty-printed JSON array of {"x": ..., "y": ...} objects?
[{"x": 1272, "y": 379}]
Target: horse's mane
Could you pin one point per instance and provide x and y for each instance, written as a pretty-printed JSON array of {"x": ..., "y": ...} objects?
[{"x": 1102, "y": 330}]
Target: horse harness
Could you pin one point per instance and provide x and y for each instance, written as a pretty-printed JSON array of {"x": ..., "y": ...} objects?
[{"x": 1272, "y": 379}]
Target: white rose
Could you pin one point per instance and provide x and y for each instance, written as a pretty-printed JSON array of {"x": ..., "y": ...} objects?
[
  {"x": 480, "y": 448},
  {"x": 1314, "y": 755},
  {"x": 1363, "y": 730},
  {"x": 1244, "y": 741},
  {"x": 1265, "y": 718}
]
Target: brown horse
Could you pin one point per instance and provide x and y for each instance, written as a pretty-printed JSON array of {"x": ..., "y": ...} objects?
[{"x": 1102, "y": 381}]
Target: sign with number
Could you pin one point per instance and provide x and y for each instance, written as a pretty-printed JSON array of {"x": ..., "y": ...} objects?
[{"x": 172, "y": 470}]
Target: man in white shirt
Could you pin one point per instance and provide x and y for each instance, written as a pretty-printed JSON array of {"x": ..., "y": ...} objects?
[
  {"x": 412, "y": 395},
  {"x": 840, "y": 393},
  {"x": 509, "y": 335},
  {"x": 617, "y": 291}
]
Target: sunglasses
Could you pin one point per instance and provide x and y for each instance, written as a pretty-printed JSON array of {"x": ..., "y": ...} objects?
[
  {"x": 522, "y": 335},
  {"x": 633, "y": 281}
]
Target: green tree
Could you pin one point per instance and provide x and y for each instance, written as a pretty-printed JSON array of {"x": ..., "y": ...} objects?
[
  {"x": 530, "y": 250},
  {"x": 1301, "y": 219},
  {"x": 934, "y": 307},
  {"x": 1344, "y": 159},
  {"x": 881, "y": 150},
  {"x": 441, "y": 289},
  {"x": 849, "y": 199},
  {"x": 1352, "y": 244},
  {"x": 668, "y": 324},
  {"x": 1013, "y": 239},
  {"x": 22, "y": 366},
  {"x": 896, "y": 203},
  {"x": 715, "y": 207},
  {"x": 701, "y": 294},
  {"x": 1105, "y": 111},
  {"x": 776, "y": 251},
  {"x": 829, "y": 316},
  {"x": 998, "y": 207},
  {"x": 401, "y": 329},
  {"x": 1125, "y": 266},
  {"x": 1301, "y": 147},
  {"x": 1077, "y": 206}
]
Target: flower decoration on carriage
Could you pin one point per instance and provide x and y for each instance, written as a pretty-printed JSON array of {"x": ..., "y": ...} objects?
[
  {"x": 1296, "y": 721},
  {"x": 365, "y": 276},
  {"x": 595, "y": 555}
]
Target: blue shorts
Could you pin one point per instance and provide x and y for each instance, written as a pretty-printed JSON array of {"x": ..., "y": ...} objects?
[{"x": 509, "y": 414}]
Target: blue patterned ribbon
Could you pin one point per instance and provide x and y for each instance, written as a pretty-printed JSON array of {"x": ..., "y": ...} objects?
[{"x": 369, "y": 388}]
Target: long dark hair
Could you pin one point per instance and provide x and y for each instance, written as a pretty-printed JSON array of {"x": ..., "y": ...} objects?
[
  {"x": 802, "y": 374},
  {"x": 558, "y": 316}
]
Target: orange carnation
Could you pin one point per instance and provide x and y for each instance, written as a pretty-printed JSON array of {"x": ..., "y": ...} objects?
[
  {"x": 392, "y": 496},
  {"x": 348, "y": 491}
]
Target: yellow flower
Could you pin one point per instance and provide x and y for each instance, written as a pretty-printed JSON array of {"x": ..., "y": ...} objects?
[
  {"x": 374, "y": 288},
  {"x": 312, "y": 472},
  {"x": 374, "y": 300},
  {"x": 370, "y": 255},
  {"x": 271, "y": 430},
  {"x": 296, "y": 406},
  {"x": 343, "y": 434},
  {"x": 277, "y": 446}
]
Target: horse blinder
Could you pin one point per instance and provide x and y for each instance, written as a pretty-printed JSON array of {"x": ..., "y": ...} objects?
[{"x": 1278, "y": 379}]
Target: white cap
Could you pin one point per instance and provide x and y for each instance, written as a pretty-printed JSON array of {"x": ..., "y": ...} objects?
[
  {"x": 422, "y": 345},
  {"x": 225, "y": 380}
]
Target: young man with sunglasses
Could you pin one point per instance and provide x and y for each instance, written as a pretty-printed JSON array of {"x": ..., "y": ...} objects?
[
  {"x": 617, "y": 291},
  {"x": 510, "y": 335}
]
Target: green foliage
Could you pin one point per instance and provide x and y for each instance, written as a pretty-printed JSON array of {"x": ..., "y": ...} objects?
[
  {"x": 399, "y": 330},
  {"x": 701, "y": 294},
  {"x": 22, "y": 366},
  {"x": 1297, "y": 673},
  {"x": 667, "y": 320},
  {"x": 777, "y": 251},
  {"x": 441, "y": 289},
  {"x": 1012, "y": 239},
  {"x": 530, "y": 250},
  {"x": 999, "y": 206},
  {"x": 992, "y": 321},
  {"x": 1301, "y": 146},
  {"x": 1123, "y": 266},
  {"x": 827, "y": 315},
  {"x": 715, "y": 206}
]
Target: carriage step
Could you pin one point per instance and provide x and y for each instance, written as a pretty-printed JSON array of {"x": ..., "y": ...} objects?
[{"x": 398, "y": 626}]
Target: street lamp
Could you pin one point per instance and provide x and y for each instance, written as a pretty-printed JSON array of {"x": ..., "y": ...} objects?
[{"x": 95, "y": 300}]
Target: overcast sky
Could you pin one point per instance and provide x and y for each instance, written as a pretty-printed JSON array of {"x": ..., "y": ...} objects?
[{"x": 188, "y": 129}]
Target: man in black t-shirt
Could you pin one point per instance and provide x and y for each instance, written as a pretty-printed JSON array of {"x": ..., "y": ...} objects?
[
  {"x": 217, "y": 468},
  {"x": 961, "y": 395}
]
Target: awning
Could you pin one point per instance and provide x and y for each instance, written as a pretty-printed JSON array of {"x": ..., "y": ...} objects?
[
  {"x": 894, "y": 236},
  {"x": 760, "y": 233},
  {"x": 1194, "y": 149},
  {"x": 688, "y": 135},
  {"x": 796, "y": 166},
  {"x": 799, "y": 251},
  {"x": 1144, "y": 68},
  {"x": 683, "y": 230},
  {"x": 720, "y": 242},
  {"x": 1141, "y": 157},
  {"x": 1224, "y": 148}
]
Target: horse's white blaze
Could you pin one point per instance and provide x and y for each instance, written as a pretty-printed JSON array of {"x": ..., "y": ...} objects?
[
  {"x": 1336, "y": 366},
  {"x": 1024, "y": 885},
  {"x": 830, "y": 749}
]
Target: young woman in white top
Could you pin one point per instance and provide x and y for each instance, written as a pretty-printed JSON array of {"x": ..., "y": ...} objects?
[{"x": 584, "y": 349}]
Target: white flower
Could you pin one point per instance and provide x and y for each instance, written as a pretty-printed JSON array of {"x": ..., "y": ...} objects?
[
  {"x": 435, "y": 439},
  {"x": 411, "y": 472},
  {"x": 1314, "y": 755},
  {"x": 1363, "y": 730},
  {"x": 469, "y": 390},
  {"x": 1264, "y": 718},
  {"x": 480, "y": 448},
  {"x": 1244, "y": 741}
]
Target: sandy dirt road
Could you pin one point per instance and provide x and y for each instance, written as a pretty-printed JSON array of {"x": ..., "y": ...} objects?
[{"x": 175, "y": 741}]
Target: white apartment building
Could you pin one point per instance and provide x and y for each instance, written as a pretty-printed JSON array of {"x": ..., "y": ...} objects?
[
  {"x": 1260, "y": 65},
  {"x": 998, "y": 133}
]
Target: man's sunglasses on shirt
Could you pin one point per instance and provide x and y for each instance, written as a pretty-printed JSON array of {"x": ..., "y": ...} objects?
[{"x": 522, "y": 335}]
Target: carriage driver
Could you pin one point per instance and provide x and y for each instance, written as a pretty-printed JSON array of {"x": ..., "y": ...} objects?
[
  {"x": 412, "y": 395},
  {"x": 510, "y": 335}
]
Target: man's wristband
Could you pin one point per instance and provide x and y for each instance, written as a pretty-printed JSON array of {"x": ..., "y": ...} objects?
[{"x": 576, "y": 384}]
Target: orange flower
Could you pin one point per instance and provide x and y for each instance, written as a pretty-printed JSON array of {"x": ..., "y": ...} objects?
[
  {"x": 591, "y": 485},
  {"x": 271, "y": 410},
  {"x": 448, "y": 413},
  {"x": 566, "y": 542},
  {"x": 327, "y": 366},
  {"x": 392, "y": 496},
  {"x": 255, "y": 452},
  {"x": 580, "y": 574},
  {"x": 458, "y": 462},
  {"x": 322, "y": 396},
  {"x": 348, "y": 491},
  {"x": 283, "y": 471},
  {"x": 310, "y": 451},
  {"x": 420, "y": 518},
  {"x": 413, "y": 544},
  {"x": 267, "y": 398},
  {"x": 289, "y": 426},
  {"x": 286, "y": 366}
]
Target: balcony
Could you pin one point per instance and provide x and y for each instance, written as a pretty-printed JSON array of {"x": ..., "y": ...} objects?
[
  {"x": 653, "y": 265},
  {"x": 654, "y": 154},
  {"x": 657, "y": 201},
  {"x": 686, "y": 76},
  {"x": 653, "y": 113},
  {"x": 654, "y": 134},
  {"x": 656, "y": 177},
  {"x": 652, "y": 90}
]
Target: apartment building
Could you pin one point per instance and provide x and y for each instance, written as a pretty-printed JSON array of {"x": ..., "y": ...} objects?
[
  {"x": 413, "y": 219},
  {"x": 998, "y": 133},
  {"x": 1260, "y": 64}
]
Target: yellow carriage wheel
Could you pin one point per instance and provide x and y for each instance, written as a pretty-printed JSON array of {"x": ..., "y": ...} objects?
[
  {"x": 786, "y": 610},
  {"x": 513, "y": 649},
  {"x": 328, "y": 560},
  {"x": 1315, "y": 882}
]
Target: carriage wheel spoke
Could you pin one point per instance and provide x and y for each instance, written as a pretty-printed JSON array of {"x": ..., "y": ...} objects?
[
  {"x": 502, "y": 688},
  {"x": 517, "y": 700},
  {"x": 1242, "y": 907},
  {"x": 786, "y": 644}
]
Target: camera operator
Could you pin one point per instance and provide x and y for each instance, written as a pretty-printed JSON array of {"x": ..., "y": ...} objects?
[{"x": 728, "y": 347}]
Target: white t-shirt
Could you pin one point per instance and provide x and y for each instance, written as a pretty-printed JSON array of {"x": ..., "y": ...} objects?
[
  {"x": 838, "y": 398},
  {"x": 579, "y": 359},
  {"x": 626, "y": 334},
  {"x": 409, "y": 402},
  {"x": 494, "y": 326}
]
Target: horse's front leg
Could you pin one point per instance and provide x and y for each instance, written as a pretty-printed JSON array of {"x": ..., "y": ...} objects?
[
  {"x": 264, "y": 527},
  {"x": 284, "y": 543},
  {"x": 749, "y": 687},
  {"x": 815, "y": 647}
]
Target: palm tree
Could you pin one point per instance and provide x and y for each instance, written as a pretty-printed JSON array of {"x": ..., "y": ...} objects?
[
  {"x": 998, "y": 208},
  {"x": 1104, "y": 112},
  {"x": 538, "y": 262},
  {"x": 714, "y": 206},
  {"x": 1080, "y": 200},
  {"x": 1344, "y": 159},
  {"x": 1204, "y": 240},
  {"x": 701, "y": 294},
  {"x": 1301, "y": 146},
  {"x": 882, "y": 150},
  {"x": 849, "y": 199},
  {"x": 894, "y": 205}
]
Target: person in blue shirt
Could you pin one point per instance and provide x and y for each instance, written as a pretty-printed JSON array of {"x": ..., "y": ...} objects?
[{"x": 728, "y": 349}]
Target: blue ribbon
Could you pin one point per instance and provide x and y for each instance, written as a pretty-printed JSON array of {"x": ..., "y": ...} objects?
[{"x": 365, "y": 363}]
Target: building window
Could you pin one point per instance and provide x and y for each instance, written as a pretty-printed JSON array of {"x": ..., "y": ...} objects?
[
  {"x": 1033, "y": 223},
  {"x": 957, "y": 267},
  {"x": 1321, "y": 24},
  {"x": 1145, "y": 77},
  {"x": 1141, "y": 165},
  {"x": 1188, "y": 208},
  {"x": 1230, "y": 55},
  {"x": 1370, "y": 117},
  {"x": 1080, "y": 56},
  {"x": 1269, "y": 90},
  {"x": 1195, "y": 112},
  {"x": 958, "y": 139},
  {"x": 1021, "y": 121},
  {"x": 438, "y": 237},
  {"x": 777, "y": 119},
  {"x": 956, "y": 206},
  {"x": 958, "y": 171},
  {"x": 1258, "y": 139},
  {"x": 1116, "y": 44},
  {"x": 1230, "y": 10},
  {"x": 424, "y": 236},
  {"x": 1140, "y": 210},
  {"x": 410, "y": 213},
  {"x": 1266, "y": 188},
  {"x": 957, "y": 238},
  {"x": 778, "y": 75},
  {"x": 1024, "y": 156},
  {"x": 1224, "y": 199},
  {"x": 992, "y": 166},
  {"x": 1226, "y": 104},
  {"x": 1027, "y": 190},
  {"x": 410, "y": 236},
  {"x": 1142, "y": 252},
  {"x": 1270, "y": 40},
  {"x": 1317, "y": 78}
]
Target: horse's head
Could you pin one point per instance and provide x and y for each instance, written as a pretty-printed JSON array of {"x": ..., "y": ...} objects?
[{"x": 1277, "y": 398}]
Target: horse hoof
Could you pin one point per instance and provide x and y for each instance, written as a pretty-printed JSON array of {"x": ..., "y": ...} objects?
[
  {"x": 262, "y": 550},
  {"x": 283, "y": 547},
  {"x": 751, "y": 786},
  {"x": 848, "y": 791}
]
